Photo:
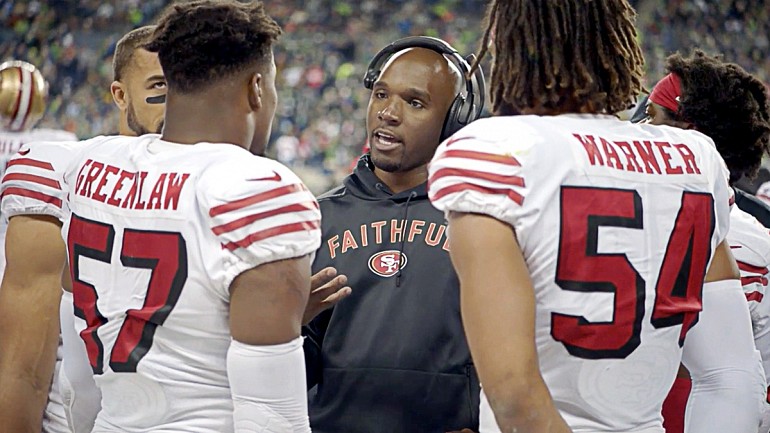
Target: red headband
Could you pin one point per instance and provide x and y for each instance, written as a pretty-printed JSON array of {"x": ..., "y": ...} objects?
[{"x": 667, "y": 92}]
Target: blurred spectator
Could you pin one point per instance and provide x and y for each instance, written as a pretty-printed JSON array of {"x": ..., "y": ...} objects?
[{"x": 738, "y": 29}]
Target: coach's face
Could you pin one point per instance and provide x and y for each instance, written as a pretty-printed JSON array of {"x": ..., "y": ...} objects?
[
  {"x": 267, "y": 95},
  {"x": 407, "y": 108},
  {"x": 144, "y": 79}
]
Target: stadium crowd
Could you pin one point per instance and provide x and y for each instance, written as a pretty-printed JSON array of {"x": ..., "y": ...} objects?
[{"x": 319, "y": 123}]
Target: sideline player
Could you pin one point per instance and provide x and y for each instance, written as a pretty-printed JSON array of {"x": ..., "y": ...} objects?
[
  {"x": 23, "y": 100},
  {"x": 139, "y": 87},
  {"x": 158, "y": 294},
  {"x": 26, "y": 363},
  {"x": 23, "y": 94},
  {"x": 729, "y": 105},
  {"x": 582, "y": 241}
]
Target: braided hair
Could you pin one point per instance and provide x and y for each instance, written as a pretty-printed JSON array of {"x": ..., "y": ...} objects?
[{"x": 578, "y": 55}]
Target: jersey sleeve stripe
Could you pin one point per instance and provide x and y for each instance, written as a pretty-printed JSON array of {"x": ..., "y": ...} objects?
[
  {"x": 32, "y": 178},
  {"x": 459, "y": 187},
  {"x": 32, "y": 163},
  {"x": 455, "y": 140},
  {"x": 754, "y": 296},
  {"x": 753, "y": 269},
  {"x": 482, "y": 156},
  {"x": 482, "y": 175},
  {"x": 256, "y": 198},
  {"x": 33, "y": 195},
  {"x": 752, "y": 280},
  {"x": 242, "y": 222},
  {"x": 272, "y": 232}
]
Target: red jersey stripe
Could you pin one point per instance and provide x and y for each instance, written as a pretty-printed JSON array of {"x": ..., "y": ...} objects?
[
  {"x": 513, "y": 195},
  {"x": 272, "y": 232},
  {"x": 753, "y": 269},
  {"x": 751, "y": 280},
  {"x": 754, "y": 296},
  {"x": 482, "y": 156},
  {"x": 33, "y": 195},
  {"x": 32, "y": 178},
  {"x": 256, "y": 198},
  {"x": 455, "y": 140},
  {"x": 483, "y": 175},
  {"x": 242, "y": 222},
  {"x": 31, "y": 162}
]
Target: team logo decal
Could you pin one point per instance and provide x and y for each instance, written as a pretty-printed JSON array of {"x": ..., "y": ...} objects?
[{"x": 385, "y": 263}]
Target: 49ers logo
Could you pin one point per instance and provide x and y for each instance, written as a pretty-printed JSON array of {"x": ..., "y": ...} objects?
[{"x": 386, "y": 263}]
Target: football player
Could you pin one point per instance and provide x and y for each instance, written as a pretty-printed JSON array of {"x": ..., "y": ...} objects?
[
  {"x": 139, "y": 87},
  {"x": 729, "y": 105},
  {"x": 583, "y": 242},
  {"x": 27, "y": 358},
  {"x": 23, "y": 97},
  {"x": 190, "y": 258}
]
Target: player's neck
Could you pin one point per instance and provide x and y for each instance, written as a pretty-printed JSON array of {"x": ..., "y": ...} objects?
[
  {"x": 191, "y": 121},
  {"x": 402, "y": 181},
  {"x": 123, "y": 128},
  {"x": 566, "y": 108}
]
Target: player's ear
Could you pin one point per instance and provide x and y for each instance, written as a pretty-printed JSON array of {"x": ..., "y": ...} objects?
[
  {"x": 255, "y": 91},
  {"x": 119, "y": 94}
]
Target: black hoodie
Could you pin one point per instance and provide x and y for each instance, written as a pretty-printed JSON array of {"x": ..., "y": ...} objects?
[{"x": 392, "y": 357}]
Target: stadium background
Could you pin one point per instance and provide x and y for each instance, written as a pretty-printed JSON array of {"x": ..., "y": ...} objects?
[{"x": 320, "y": 122}]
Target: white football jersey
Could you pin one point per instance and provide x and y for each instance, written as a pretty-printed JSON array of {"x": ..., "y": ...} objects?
[
  {"x": 750, "y": 244},
  {"x": 10, "y": 143},
  {"x": 157, "y": 233},
  {"x": 613, "y": 219},
  {"x": 32, "y": 186}
]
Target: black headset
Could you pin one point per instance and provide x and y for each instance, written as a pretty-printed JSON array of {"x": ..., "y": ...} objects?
[{"x": 467, "y": 105}]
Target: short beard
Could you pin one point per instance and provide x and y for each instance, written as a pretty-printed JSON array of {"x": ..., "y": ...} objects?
[
  {"x": 134, "y": 125},
  {"x": 386, "y": 165}
]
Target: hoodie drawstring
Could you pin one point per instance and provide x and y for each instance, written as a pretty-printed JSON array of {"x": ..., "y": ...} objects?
[{"x": 403, "y": 237}]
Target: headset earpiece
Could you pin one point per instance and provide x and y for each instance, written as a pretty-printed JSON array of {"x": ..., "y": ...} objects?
[{"x": 370, "y": 77}]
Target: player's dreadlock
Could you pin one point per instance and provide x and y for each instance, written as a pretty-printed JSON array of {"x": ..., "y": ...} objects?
[
  {"x": 205, "y": 40},
  {"x": 729, "y": 105},
  {"x": 557, "y": 54}
]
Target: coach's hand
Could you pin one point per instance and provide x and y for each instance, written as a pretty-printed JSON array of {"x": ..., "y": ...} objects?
[{"x": 326, "y": 289}]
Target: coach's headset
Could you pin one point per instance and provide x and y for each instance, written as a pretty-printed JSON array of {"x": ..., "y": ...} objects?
[{"x": 467, "y": 106}]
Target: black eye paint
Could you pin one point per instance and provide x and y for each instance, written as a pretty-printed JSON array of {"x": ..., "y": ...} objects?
[{"x": 160, "y": 99}]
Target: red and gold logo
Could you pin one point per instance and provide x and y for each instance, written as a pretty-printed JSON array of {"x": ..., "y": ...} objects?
[{"x": 386, "y": 263}]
